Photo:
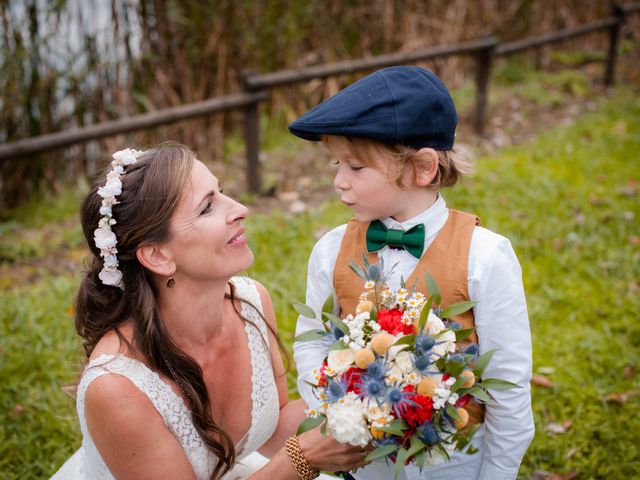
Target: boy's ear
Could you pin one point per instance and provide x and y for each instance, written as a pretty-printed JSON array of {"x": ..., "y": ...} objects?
[
  {"x": 156, "y": 259},
  {"x": 425, "y": 167}
]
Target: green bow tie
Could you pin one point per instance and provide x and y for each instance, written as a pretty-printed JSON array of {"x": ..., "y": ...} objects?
[{"x": 412, "y": 240}]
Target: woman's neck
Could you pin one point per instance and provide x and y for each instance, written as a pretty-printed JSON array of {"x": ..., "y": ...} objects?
[{"x": 193, "y": 313}]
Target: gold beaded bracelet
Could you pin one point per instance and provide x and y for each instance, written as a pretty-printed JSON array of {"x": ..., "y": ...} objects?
[{"x": 299, "y": 461}]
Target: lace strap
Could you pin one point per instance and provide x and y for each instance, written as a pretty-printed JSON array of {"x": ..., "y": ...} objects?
[{"x": 246, "y": 290}]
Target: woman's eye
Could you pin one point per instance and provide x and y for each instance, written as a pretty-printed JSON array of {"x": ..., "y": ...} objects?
[
  {"x": 335, "y": 162},
  {"x": 220, "y": 189},
  {"x": 206, "y": 209},
  {"x": 355, "y": 168}
]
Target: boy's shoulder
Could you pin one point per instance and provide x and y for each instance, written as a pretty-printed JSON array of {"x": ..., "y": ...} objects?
[{"x": 490, "y": 250}]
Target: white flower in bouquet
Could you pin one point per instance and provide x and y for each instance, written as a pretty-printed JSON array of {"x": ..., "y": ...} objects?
[
  {"x": 445, "y": 343},
  {"x": 404, "y": 361},
  {"x": 380, "y": 412},
  {"x": 340, "y": 360},
  {"x": 347, "y": 421},
  {"x": 434, "y": 324}
]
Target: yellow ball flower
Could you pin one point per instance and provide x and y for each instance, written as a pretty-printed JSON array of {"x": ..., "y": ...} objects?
[
  {"x": 468, "y": 379},
  {"x": 464, "y": 418},
  {"x": 364, "y": 357},
  {"x": 381, "y": 342},
  {"x": 427, "y": 386},
  {"x": 364, "y": 306}
]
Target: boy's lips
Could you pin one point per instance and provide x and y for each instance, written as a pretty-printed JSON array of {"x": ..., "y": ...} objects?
[{"x": 348, "y": 204}]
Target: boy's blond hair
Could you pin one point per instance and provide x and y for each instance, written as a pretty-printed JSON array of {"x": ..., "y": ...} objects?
[{"x": 451, "y": 165}]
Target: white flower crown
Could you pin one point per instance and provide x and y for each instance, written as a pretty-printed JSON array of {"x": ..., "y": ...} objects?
[{"x": 103, "y": 236}]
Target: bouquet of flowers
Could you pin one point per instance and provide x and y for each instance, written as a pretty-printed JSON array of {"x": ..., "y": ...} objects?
[{"x": 393, "y": 377}]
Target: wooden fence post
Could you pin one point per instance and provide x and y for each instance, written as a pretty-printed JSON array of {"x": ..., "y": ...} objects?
[
  {"x": 612, "y": 56},
  {"x": 483, "y": 71},
  {"x": 252, "y": 141}
]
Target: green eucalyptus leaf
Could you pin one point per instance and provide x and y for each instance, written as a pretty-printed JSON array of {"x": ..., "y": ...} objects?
[
  {"x": 463, "y": 333},
  {"x": 433, "y": 289},
  {"x": 310, "y": 423},
  {"x": 337, "y": 322},
  {"x": 457, "y": 309},
  {"x": 400, "y": 462},
  {"x": 416, "y": 446},
  {"x": 339, "y": 345},
  {"x": 304, "y": 310},
  {"x": 406, "y": 340},
  {"x": 452, "y": 412},
  {"x": 481, "y": 394},
  {"x": 315, "y": 334},
  {"x": 328, "y": 304},
  {"x": 498, "y": 384},
  {"x": 381, "y": 452},
  {"x": 424, "y": 314},
  {"x": 482, "y": 362}
]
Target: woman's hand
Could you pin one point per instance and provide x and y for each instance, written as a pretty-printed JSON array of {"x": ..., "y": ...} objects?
[{"x": 325, "y": 453}]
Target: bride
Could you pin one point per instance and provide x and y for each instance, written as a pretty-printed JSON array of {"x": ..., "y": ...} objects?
[{"x": 184, "y": 376}]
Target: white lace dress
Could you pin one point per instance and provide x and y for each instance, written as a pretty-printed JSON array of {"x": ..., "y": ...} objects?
[{"x": 86, "y": 462}]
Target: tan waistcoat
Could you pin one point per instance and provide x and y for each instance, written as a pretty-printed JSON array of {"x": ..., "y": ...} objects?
[{"x": 446, "y": 259}]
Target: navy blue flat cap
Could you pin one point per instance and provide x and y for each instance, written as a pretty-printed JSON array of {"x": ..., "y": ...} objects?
[{"x": 397, "y": 105}]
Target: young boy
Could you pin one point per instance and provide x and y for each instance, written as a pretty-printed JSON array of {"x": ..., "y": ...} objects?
[{"x": 392, "y": 137}]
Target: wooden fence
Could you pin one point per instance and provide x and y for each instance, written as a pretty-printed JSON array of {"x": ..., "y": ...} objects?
[{"x": 257, "y": 86}]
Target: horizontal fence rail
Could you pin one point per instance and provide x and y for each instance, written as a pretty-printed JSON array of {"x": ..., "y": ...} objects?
[
  {"x": 287, "y": 77},
  {"x": 167, "y": 116},
  {"x": 256, "y": 87},
  {"x": 555, "y": 37}
]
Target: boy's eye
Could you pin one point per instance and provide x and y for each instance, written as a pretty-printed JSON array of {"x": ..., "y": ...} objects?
[
  {"x": 206, "y": 209},
  {"x": 355, "y": 168},
  {"x": 220, "y": 189}
]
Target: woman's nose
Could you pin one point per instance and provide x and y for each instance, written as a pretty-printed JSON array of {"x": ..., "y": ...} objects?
[{"x": 237, "y": 211}]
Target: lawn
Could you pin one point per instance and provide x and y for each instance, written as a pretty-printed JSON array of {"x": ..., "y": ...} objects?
[{"x": 569, "y": 200}]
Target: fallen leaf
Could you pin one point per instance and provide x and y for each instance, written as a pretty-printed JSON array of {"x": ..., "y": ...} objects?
[
  {"x": 621, "y": 397},
  {"x": 542, "y": 381},
  {"x": 633, "y": 240},
  {"x": 558, "y": 428}
]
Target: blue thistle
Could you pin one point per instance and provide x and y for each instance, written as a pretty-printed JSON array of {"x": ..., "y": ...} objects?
[
  {"x": 421, "y": 363},
  {"x": 472, "y": 349},
  {"x": 336, "y": 389},
  {"x": 428, "y": 433},
  {"x": 377, "y": 370},
  {"x": 424, "y": 343},
  {"x": 398, "y": 399}
]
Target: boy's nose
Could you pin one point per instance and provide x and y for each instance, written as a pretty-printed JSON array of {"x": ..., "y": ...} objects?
[{"x": 340, "y": 182}]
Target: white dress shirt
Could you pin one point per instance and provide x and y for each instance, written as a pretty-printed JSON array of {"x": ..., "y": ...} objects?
[{"x": 502, "y": 323}]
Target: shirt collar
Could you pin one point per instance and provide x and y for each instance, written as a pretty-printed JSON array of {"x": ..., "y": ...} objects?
[{"x": 433, "y": 218}]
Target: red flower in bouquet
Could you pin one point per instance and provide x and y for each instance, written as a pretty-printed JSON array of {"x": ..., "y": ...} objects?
[
  {"x": 353, "y": 376},
  {"x": 391, "y": 321},
  {"x": 421, "y": 412},
  {"x": 463, "y": 401}
]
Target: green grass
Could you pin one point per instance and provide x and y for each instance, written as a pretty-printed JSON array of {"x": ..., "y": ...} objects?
[{"x": 569, "y": 202}]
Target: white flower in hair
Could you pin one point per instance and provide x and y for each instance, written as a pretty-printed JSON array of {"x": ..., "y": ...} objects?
[
  {"x": 103, "y": 236},
  {"x": 127, "y": 156}
]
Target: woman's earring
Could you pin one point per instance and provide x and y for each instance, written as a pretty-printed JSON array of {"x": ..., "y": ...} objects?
[{"x": 171, "y": 282}]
